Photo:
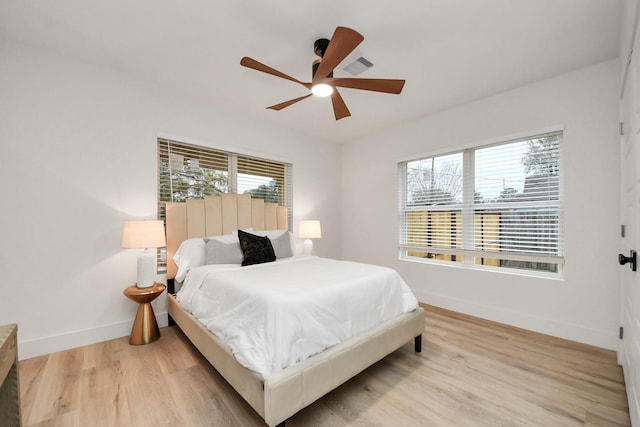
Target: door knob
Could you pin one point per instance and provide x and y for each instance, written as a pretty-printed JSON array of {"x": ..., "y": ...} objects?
[{"x": 632, "y": 258}]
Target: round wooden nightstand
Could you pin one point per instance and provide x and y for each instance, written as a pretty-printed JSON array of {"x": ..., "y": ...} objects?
[{"x": 145, "y": 328}]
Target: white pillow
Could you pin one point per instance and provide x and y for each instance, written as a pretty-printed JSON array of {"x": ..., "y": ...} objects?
[
  {"x": 282, "y": 246},
  {"x": 191, "y": 254},
  {"x": 218, "y": 252},
  {"x": 274, "y": 234}
]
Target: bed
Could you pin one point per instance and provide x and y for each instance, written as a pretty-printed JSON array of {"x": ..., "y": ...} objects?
[{"x": 283, "y": 392}]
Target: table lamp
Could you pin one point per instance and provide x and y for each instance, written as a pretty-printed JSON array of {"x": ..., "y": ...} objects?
[
  {"x": 309, "y": 230},
  {"x": 144, "y": 235}
]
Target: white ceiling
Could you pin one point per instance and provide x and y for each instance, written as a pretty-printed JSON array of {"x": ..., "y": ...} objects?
[{"x": 449, "y": 51}]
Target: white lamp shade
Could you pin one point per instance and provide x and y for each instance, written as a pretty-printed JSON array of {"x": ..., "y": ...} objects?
[
  {"x": 309, "y": 230},
  {"x": 143, "y": 234}
]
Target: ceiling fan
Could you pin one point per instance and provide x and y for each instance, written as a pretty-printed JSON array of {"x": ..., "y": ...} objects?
[{"x": 331, "y": 53}]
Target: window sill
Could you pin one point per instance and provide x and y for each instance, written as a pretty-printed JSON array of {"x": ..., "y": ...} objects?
[{"x": 477, "y": 267}]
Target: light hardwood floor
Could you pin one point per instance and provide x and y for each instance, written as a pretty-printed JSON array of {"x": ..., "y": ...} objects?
[{"x": 471, "y": 372}]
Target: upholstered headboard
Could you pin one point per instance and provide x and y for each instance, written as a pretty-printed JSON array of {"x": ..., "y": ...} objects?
[{"x": 217, "y": 215}]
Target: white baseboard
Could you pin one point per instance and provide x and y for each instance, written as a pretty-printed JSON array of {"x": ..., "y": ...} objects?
[
  {"x": 598, "y": 338},
  {"x": 55, "y": 343},
  {"x": 595, "y": 337}
]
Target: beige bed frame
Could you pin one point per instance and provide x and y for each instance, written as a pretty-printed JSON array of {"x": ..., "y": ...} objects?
[{"x": 281, "y": 395}]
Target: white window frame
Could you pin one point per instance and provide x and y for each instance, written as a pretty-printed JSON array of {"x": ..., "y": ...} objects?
[{"x": 466, "y": 255}]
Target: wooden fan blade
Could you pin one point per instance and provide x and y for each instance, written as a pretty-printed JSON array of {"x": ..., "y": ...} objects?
[
  {"x": 342, "y": 43},
  {"x": 285, "y": 104},
  {"x": 259, "y": 66},
  {"x": 340, "y": 109},
  {"x": 376, "y": 85}
]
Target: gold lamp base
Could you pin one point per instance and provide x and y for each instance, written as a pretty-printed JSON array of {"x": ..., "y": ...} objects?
[{"x": 145, "y": 328}]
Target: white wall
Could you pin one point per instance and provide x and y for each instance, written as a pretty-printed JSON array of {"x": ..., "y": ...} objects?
[
  {"x": 584, "y": 306},
  {"x": 77, "y": 158}
]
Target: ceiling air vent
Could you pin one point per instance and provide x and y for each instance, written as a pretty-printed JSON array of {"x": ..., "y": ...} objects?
[{"x": 358, "y": 66}]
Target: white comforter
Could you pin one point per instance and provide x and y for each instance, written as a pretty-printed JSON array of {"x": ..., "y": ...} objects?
[{"x": 276, "y": 314}]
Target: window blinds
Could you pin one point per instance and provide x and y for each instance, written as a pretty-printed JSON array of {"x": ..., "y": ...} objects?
[
  {"x": 498, "y": 205},
  {"x": 189, "y": 171},
  {"x": 264, "y": 179}
]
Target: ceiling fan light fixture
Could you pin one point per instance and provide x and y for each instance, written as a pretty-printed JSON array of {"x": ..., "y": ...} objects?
[
  {"x": 323, "y": 84},
  {"x": 322, "y": 89}
]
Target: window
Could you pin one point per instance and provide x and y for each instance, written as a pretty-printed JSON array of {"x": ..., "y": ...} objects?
[
  {"x": 188, "y": 171},
  {"x": 497, "y": 205}
]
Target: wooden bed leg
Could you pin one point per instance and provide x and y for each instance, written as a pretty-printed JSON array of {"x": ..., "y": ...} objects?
[{"x": 417, "y": 344}]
